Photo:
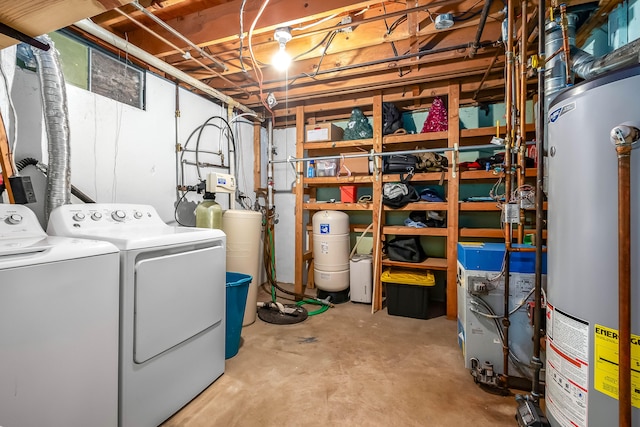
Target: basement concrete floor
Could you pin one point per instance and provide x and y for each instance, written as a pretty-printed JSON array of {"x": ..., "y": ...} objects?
[{"x": 347, "y": 367}]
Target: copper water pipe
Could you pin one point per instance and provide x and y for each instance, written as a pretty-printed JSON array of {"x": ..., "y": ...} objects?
[
  {"x": 564, "y": 25},
  {"x": 486, "y": 74},
  {"x": 623, "y": 149},
  {"x": 523, "y": 111},
  {"x": 507, "y": 184}
]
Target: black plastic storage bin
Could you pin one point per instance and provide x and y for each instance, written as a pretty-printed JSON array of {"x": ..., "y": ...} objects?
[{"x": 408, "y": 300}]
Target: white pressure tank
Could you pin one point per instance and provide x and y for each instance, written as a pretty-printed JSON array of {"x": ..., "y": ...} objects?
[{"x": 331, "y": 250}]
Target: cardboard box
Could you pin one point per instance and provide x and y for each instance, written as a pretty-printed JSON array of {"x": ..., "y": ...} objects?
[
  {"x": 323, "y": 132},
  {"x": 357, "y": 165}
]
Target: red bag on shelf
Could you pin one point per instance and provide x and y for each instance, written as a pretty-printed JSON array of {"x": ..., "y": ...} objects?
[{"x": 437, "y": 120}]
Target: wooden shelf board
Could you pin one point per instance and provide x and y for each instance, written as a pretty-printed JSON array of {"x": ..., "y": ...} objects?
[
  {"x": 399, "y": 229},
  {"x": 488, "y": 206},
  {"x": 428, "y": 264},
  {"x": 338, "y": 144},
  {"x": 491, "y": 131},
  {"x": 481, "y": 232},
  {"x": 415, "y": 137},
  {"x": 337, "y": 206},
  {"x": 353, "y": 228},
  {"x": 479, "y": 174},
  {"x": 478, "y": 206},
  {"x": 426, "y": 176},
  {"x": 495, "y": 233},
  {"x": 421, "y": 206},
  {"x": 339, "y": 180}
]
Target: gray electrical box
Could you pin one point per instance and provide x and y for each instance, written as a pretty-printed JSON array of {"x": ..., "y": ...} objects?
[{"x": 22, "y": 189}]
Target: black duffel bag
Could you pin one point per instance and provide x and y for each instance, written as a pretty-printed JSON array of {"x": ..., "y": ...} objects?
[
  {"x": 399, "y": 163},
  {"x": 405, "y": 249}
]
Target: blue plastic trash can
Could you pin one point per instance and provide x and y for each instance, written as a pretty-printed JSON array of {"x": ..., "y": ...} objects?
[{"x": 237, "y": 289}]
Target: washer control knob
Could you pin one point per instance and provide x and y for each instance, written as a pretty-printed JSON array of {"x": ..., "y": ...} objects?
[
  {"x": 137, "y": 215},
  {"x": 96, "y": 216},
  {"x": 118, "y": 215},
  {"x": 78, "y": 216},
  {"x": 14, "y": 219}
]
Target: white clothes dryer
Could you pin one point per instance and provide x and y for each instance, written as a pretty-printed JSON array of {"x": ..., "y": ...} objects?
[
  {"x": 172, "y": 306},
  {"x": 59, "y": 303}
]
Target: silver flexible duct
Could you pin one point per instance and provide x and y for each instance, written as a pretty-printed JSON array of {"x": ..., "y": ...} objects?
[
  {"x": 587, "y": 66},
  {"x": 56, "y": 118}
]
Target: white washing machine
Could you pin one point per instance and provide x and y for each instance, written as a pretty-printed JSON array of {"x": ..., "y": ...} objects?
[
  {"x": 58, "y": 326},
  {"x": 172, "y": 305}
]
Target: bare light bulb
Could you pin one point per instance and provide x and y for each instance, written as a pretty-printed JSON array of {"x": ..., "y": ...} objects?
[{"x": 281, "y": 60}]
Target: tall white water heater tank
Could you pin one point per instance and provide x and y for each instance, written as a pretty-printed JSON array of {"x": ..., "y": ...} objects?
[
  {"x": 331, "y": 250},
  {"x": 582, "y": 281},
  {"x": 244, "y": 249}
]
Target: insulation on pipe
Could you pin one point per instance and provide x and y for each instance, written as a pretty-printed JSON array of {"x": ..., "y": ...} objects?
[{"x": 56, "y": 118}]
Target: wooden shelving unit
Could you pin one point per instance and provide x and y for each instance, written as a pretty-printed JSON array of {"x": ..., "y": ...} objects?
[{"x": 450, "y": 179}]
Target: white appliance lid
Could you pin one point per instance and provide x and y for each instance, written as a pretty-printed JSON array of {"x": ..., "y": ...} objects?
[
  {"x": 150, "y": 237},
  {"x": 23, "y": 241},
  {"x": 18, "y": 252},
  {"x": 127, "y": 226}
]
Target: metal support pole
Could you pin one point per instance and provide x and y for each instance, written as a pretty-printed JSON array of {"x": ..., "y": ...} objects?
[{"x": 537, "y": 321}]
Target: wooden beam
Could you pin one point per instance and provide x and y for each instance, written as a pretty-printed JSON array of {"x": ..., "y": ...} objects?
[
  {"x": 220, "y": 24},
  {"x": 36, "y": 17},
  {"x": 453, "y": 195},
  {"x": 5, "y": 160},
  {"x": 376, "y": 210},
  {"x": 595, "y": 21},
  {"x": 346, "y": 85}
]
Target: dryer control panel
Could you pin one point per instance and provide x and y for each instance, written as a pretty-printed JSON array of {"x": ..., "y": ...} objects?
[
  {"x": 98, "y": 216},
  {"x": 128, "y": 226}
]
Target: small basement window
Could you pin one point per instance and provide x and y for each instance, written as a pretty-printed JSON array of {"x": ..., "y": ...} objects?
[
  {"x": 116, "y": 80},
  {"x": 88, "y": 67}
]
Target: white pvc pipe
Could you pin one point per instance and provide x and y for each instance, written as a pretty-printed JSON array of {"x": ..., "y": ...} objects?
[
  {"x": 232, "y": 160},
  {"x": 270, "y": 164},
  {"x": 104, "y": 35},
  {"x": 177, "y": 34}
]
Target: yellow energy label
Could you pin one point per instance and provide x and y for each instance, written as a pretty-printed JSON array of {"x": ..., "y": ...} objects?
[{"x": 606, "y": 370}]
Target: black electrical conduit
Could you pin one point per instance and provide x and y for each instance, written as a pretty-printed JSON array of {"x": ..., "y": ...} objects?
[
  {"x": 535, "y": 360},
  {"x": 483, "y": 20},
  {"x": 30, "y": 161}
]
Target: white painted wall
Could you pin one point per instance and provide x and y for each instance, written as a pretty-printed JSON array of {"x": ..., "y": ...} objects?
[{"x": 124, "y": 154}]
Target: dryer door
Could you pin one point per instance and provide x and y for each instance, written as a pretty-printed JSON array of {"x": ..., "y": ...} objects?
[{"x": 177, "y": 296}]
